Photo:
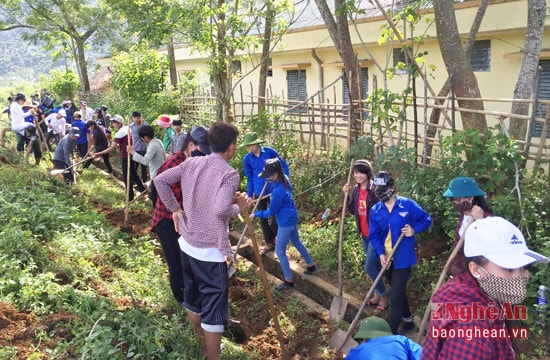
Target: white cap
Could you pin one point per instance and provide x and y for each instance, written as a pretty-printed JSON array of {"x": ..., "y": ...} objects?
[
  {"x": 62, "y": 113},
  {"x": 501, "y": 242},
  {"x": 118, "y": 119}
]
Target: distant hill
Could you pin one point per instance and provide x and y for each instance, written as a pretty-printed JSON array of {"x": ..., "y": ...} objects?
[{"x": 21, "y": 61}]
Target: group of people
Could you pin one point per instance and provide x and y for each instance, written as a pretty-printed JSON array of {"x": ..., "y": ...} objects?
[
  {"x": 195, "y": 194},
  {"x": 489, "y": 270}
]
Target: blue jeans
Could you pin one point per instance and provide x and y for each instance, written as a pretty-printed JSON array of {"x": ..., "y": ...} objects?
[
  {"x": 284, "y": 235},
  {"x": 372, "y": 266}
]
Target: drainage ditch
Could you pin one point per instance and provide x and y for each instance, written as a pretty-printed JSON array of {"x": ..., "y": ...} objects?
[{"x": 312, "y": 287}]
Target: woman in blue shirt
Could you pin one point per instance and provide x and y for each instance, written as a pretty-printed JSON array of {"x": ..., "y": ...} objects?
[
  {"x": 283, "y": 207},
  {"x": 389, "y": 218}
]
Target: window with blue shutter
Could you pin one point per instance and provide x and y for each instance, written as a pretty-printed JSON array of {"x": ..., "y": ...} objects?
[
  {"x": 480, "y": 56},
  {"x": 297, "y": 90},
  {"x": 544, "y": 94}
]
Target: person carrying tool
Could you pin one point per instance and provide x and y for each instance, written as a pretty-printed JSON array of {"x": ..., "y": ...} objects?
[
  {"x": 469, "y": 200},
  {"x": 390, "y": 217},
  {"x": 154, "y": 155},
  {"x": 63, "y": 153},
  {"x": 360, "y": 202},
  {"x": 121, "y": 140},
  {"x": 17, "y": 119},
  {"x": 210, "y": 199},
  {"x": 100, "y": 143},
  {"x": 490, "y": 279},
  {"x": 55, "y": 123},
  {"x": 253, "y": 164},
  {"x": 32, "y": 142},
  {"x": 139, "y": 146},
  {"x": 378, "y": 342},
  {"x": 194, "y": 144},
  {"x": 283, "y": 207}
]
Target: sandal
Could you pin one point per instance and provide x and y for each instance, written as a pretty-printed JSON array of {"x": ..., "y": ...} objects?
[
  {"x": 267, "y": 249},
  {"x": 380, "y": 309}
]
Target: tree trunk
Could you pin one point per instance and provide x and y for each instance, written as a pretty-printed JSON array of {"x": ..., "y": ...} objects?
[
  {"x": 220, "y": 63},
  {"x": 531, "y": 53},
  {"x": 81, "y": 63},
  {"x": 172, "y": 60},
  {"x": 436, "y": 113},
  {"x": 339, "y": 32},
  {"x": 463, "y": 80},
  {"x": 266, "y": 44}
]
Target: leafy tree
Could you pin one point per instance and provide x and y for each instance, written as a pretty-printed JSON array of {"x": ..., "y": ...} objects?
[
  {"x": 64, "y": 85},
  {"x": 156, "y": 21},
  {"x": 139, "y": 73},
  {"x": 230, "y": 31},
  {"x": 59, "y": 23}
]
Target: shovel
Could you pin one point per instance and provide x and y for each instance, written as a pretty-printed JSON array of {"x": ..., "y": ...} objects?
[
  {"x": 230, "y": 268},
  {"x": 340, "y": 339},
  {"x": 339, "y": 304},
  {"x": 63, "y": 171},
  {"x": 267, "y": 290}
]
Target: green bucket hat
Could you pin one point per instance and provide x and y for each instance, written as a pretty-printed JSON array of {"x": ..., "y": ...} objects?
[
  {"x": 462, "y": 187},
  {"x": 373, "y": 327},
  {"x": 251, "y": 139}
]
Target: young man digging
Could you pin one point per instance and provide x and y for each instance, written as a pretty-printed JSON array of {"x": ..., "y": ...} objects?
[{"x": 210, "y": 199}]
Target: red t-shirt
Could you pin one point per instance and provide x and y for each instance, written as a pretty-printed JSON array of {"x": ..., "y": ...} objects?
[{"x": 362, "y": 211}]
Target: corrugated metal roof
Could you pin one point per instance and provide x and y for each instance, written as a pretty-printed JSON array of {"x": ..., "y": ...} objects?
[{"x": 308, "y": 14}]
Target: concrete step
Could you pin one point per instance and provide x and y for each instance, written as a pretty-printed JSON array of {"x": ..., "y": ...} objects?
[{"x": 315, "y": 288}]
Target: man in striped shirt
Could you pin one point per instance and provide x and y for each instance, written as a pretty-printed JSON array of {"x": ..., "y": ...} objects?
[{"x": 210, "y": 199}]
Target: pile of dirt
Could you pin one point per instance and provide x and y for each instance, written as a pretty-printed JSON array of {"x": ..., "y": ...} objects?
[{"x": 20, "y": 329}]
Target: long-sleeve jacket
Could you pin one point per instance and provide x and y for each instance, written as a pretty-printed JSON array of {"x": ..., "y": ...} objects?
[
  {"x": 405, "y": 211},
  {"x": 353, "y": 203},
  {"x": 208, "y": 186},
  {"x": 281, "y": 205},
  {"x": 253, "y": 165},
  {"x": 64, "y": 150},
  {"x": 154, "y": 157}
]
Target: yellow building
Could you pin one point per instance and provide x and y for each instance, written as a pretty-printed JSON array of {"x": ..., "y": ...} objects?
[{"x": 307, "y": 61}]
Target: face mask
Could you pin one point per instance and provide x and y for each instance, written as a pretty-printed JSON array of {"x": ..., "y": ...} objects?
[
  {"x": 197, "y": 153},
  {"x": 464, "y": 206},
  {"x": 386, "y": 196},
  {"x": 511, "y": 291}
]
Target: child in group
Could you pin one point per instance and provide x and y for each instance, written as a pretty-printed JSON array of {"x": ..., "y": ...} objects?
[
  {"x": 359, "y": 204},
  {"x": 283, "y": 207},
  {"x": 392, "y": 216}
]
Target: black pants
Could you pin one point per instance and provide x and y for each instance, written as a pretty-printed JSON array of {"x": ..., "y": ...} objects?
[
  {"x": 49, "y": 136},
  {"x": 153, "y": 195},
  {"x": 143, "y": 167},
  {"x": 169, "y": 241},
  {"x": 398, "y": 299},
  {"x": 269, "y": 226},
  {"x": 82, "y": 149},
  {"x": 106, "y": 160},
  {"x": 134, "y": 178},
  {"x": 67, "y": 176}
]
